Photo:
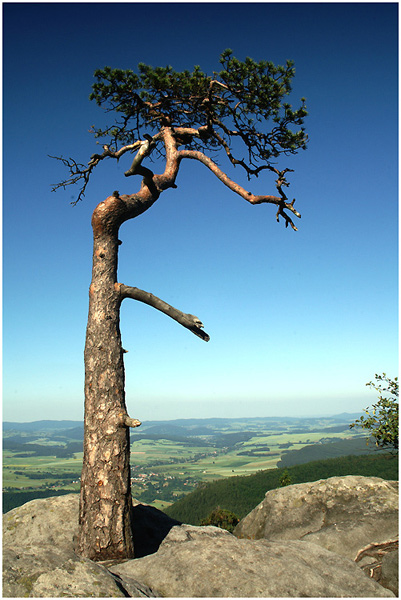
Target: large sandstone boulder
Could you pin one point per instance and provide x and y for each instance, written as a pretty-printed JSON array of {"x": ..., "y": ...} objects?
[
  {"x": 51, "y": 572},
  {"x": 341, "y": 514},
  {"x": 50, "y": 521},
  {"x": 210, "y": 562},
  {"x": 39, "y": 559}
]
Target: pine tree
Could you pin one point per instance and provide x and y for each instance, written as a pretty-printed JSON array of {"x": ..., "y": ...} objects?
[{"x": 240, "y": 111}]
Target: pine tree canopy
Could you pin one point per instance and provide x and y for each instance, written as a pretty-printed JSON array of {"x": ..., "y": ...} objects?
[
  {"x": 162, "y": 113},
  {"x": 235, "y": 103}
]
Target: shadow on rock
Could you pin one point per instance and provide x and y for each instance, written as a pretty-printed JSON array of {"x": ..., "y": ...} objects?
[{"x": 150, "y": 527}]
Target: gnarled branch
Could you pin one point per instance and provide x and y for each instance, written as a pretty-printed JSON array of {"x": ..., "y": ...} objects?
[
  {"x": 172, "y": 137},
  {"x": 136, "y": 166},
  {"x": 79, "y": 171},
  {"x": 280, "y": 201},
  {"x": 186, "y": 320}
]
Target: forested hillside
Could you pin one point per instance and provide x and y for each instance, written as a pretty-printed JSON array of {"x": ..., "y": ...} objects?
[
  {"x": 241, "y": 494},
  {"x": 326, "y": 449},
  {"x": 13, "y": 499}
]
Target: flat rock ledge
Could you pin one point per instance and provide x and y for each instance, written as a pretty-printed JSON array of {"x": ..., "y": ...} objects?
[{"x": 174, "y": 560}]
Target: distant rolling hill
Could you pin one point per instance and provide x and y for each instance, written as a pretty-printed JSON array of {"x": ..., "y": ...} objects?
[
  {"x": 218, "y": 432},
  {"x": 167, "y": 428},
  {"x": 195, "y": 426},
  {"x": 75, "y": 433},
  {"x": 40, "y": 425}
]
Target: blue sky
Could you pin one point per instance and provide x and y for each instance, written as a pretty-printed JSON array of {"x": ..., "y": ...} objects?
[{"x": 299, "y": 322}]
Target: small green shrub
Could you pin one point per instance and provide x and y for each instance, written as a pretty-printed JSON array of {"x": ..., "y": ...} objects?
[
  {"x": 382, "y": 420},
  {"x": 219, "y": 517},
  {"x": 285, "y": 479}
]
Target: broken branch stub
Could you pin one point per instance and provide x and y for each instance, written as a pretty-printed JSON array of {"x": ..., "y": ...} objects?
[{"x": 189, "y": 321}]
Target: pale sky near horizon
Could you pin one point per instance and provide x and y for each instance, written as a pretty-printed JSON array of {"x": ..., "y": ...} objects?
[{"x": 299, "y": 322}]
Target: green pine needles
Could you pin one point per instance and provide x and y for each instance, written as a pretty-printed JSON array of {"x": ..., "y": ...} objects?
[{"x": 235, "y": 103}]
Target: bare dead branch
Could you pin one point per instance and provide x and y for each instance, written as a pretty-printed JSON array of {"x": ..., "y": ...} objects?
[
  {"x": 235, "y": 161},
  {"x": 79, "y": 171},
  {"x": 186, "y": 320},
  {"x": 377, "y": 550}
]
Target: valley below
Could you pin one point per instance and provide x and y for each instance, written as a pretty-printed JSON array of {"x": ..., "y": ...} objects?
[{"x": 169, "y": 459}]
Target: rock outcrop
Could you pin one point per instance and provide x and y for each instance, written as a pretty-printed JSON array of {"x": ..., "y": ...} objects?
[
  {"x": 210, "y": 562},
  {"x": 341, "y": 514},
  {"x": 39, "y": 559},
  {"x": 175, "y": 560},
  {"x": 389, "y": 572},
  {"x": 46, "y": 572}
]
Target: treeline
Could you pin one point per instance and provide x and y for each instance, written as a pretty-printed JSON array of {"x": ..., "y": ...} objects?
[
  {"x": 48, "y": 475},
  {"x": 27, "y": 450},
  {"x": 13, "y": 499},
  {"x": 242, "y": 494}
]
